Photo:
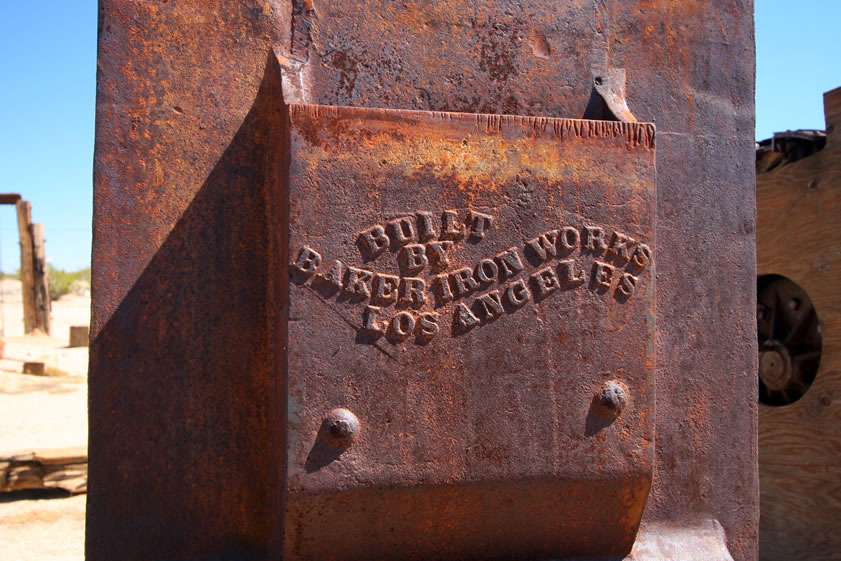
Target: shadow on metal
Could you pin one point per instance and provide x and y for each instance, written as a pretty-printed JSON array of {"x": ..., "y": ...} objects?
[{"x": 200, "y": 321}]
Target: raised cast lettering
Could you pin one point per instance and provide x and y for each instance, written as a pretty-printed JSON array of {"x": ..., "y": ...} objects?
[
  {"x": 569, "y": 277},
  {"x": 450, "y": 227},
  {"x": 642, "y": 256},
  {"x": 545, "y": 245},
  {"x": 402, "y": 324},
  {"x": 619, "y": 246},
  {"x": 479, "y": 224},
  {"x": 491, "y": 304},
  {"x": 546, "y": 282},
  {"x": 437, "y": 253},
  {"x": 464, "y": 281},
  {"x": 444, "y": 284},
  {"x": 569, "y": 238},
  {"x": 510, "y": 262},
  {"x": 308, "y": 261},
  {"x": 414, "y": 256},
  {"x": 413, "y": 291},
  {"x": 359, "y": 282},
  {"x": 335, "y": 274},
  {"x": 518, "y": 293},
  {"x": 416, "y": 237},
  {"x": 426, "y": 230},
  {"x": 403, "y": 230},
  {"x": 371, "y": 320},
  {"x": 626, "y": 285},
  {"x": 486, "y": 271},
  {"x": 385, "y": 287},
  {"x": 428, "y": 324},
  {"x": 374, "y": 240},
  {"x": 465, "y": 318},
  {"x": 594, "y": 238},
  {"x": 602, "y": 274}
]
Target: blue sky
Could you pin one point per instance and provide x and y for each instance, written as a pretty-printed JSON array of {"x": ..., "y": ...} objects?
[
  {"x": 797, "y": 59},
  {"x": 48, "y": 96},
  {"x": 47, "y": 101}
]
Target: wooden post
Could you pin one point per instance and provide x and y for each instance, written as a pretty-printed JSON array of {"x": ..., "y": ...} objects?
[
  {"x": 27, "y": 278},
  {"x": 33, "y": 267},
  {"x": 40, "y": 283},
  {"x": 79, "y": 336}
]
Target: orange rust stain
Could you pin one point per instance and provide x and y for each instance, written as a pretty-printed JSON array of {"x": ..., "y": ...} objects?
[
  {"x": 562, "y": 338},
  {"x": 415, "y": 14},
  {"x": 462, "y": 154}
]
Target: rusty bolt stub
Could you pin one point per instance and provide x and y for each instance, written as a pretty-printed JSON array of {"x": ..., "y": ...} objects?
[
  {"x": 340, "y": 428},
  {"x": 612, "y": 398}
]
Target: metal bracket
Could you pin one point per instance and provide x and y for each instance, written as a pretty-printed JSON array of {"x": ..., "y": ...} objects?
[{"x": 610, "y": 86}]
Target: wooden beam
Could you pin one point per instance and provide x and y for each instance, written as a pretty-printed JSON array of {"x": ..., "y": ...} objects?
[
  {"x": 27, "y": 278},
  {"x": 39, "y": 277},
  {"x": 65, "y": 468},
  {"x": 9, "y": 198}
]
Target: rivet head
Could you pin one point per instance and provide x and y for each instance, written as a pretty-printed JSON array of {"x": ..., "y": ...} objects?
[
  {"x": 612, "y": 398},
  {"x": 340, "y": 428}
]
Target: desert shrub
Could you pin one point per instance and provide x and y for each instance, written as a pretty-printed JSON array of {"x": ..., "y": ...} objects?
[{"x": 63, "y": 282}]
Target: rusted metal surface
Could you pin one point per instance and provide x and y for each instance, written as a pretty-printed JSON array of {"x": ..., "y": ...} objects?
[
  {"x": 187, "y": 366},
  {"x": 185, "y": 441},
  {"x": 466, "y": 285}
]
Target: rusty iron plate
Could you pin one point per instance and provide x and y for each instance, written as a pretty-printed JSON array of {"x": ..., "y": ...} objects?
[
  {"x": 470, "y": 335},
  {"x": 186, "y": 434}
]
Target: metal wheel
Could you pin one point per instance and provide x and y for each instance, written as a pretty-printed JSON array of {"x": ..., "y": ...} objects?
[{"x": 790, "y": 340}]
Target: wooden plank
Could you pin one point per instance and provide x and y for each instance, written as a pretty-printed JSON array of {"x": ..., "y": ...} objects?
[
  {"x": 65, "y": 468},
  {"x": 9, "y": 198},
  {"x": 27, "y": 279},
  {"x": 799, "y": 513},
  {"x": 39, "y": 279},
  {"x": 799, "y": 236}
]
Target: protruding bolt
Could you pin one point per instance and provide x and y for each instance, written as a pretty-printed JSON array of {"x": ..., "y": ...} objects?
[
  {"x": 340, "y": 428},
  {"x": 613, "y": 398}
]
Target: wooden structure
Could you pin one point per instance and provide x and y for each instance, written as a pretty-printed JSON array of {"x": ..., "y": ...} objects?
[
  {"x": 798, "y": 237},
  {"x": 33, "y": 267},
  {"x": 61, "y": 468}
]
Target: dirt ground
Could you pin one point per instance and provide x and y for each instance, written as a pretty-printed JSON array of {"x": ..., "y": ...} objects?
[{"x": 40, "y": 412}]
